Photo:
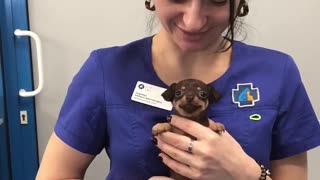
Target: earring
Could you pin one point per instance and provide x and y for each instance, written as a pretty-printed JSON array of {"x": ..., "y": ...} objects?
[
  {"x": 244, "y": 9},
  {"x": 147, "y": 3}
]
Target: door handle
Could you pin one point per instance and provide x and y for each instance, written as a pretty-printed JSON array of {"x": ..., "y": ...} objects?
[{"x": 23, "y": 92}]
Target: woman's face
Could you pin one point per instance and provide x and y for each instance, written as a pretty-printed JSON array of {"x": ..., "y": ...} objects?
[{"x": 194, "y": 24}]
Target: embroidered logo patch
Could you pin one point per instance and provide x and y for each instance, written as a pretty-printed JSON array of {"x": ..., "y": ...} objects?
[{"x": 245, "y": 95}]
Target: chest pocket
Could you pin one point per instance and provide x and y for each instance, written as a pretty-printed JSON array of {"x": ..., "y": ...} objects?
[{"x": 251, "y": 127}]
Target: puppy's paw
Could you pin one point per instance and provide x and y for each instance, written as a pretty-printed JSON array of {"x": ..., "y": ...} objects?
[
  {"x": 160, "y": 128},
  {"x": 217, "y": 127}
]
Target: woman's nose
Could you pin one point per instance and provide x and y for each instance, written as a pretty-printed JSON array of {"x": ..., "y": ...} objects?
[{"x": 194, "y": 19}]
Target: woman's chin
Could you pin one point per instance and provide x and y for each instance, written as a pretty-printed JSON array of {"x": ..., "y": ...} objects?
[{"x": 191, "y": 46}]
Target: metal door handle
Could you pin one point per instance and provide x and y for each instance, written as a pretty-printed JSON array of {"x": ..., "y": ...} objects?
[{"x": 22, "y": 92}]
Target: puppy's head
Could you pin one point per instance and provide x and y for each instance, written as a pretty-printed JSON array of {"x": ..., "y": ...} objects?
[{"x": 190, "y": 97}]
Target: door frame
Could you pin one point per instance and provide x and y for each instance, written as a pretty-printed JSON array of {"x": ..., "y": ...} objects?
[
  {"x": 4, "y": 150},
  {"x": 17, "y": 74}
]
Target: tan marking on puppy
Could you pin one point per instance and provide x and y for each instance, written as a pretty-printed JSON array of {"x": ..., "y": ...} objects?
[
  {"x": 160, "y": 128},
  {"x": 196, "y": 102},
  {"x": 217, "y": 127}
]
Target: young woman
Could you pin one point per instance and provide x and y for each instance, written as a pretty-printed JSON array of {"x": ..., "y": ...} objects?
[{"x": 270, "y": 123}]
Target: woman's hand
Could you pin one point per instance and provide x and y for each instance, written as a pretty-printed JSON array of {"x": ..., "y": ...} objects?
[{"x": 213, "y": 156}]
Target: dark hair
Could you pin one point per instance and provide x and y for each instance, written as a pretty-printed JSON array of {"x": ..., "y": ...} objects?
[{"x": 234, "y": 25}]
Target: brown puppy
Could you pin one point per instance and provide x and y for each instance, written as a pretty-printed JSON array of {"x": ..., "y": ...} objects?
[{"x": 190, "y": 99}]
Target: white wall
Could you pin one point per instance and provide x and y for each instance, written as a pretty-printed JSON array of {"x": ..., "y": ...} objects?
[{"x": 71, "y": 29}]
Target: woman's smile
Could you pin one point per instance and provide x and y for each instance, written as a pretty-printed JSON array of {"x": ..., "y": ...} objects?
[
  {"x": 190, "y": 39},
  {"x": 190, "y": 36}
]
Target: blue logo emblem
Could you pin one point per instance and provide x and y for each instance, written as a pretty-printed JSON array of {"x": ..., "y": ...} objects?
[{"x": 245, "y": 95}]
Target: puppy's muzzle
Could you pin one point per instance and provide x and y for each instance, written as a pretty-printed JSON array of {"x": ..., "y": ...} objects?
[
  {"x": 189, "y": 107},
  {"x": 189, "y": 98}
]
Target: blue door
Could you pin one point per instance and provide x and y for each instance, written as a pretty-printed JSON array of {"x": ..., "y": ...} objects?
[
  {"x": 4, "y": 151},
  {"x": 18, "y": 135}
]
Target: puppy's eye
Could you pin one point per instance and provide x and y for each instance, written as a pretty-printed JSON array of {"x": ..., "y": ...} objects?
[
  {"x": 202, "y": 94},
  {"x": 178, "y": 93}
]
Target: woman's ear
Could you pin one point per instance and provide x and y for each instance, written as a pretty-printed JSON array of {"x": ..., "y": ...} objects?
[{"x": 168, "y": 94}]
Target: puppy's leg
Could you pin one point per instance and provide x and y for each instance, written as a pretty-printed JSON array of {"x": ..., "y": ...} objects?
[
  {"x": 160, "y": 128},
  {"x": 217, "y": 127}
]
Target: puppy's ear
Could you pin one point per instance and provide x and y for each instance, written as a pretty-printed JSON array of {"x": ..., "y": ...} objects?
[
  {"x": 168, "y": 94},
  {"x": 214, "y": 95}
]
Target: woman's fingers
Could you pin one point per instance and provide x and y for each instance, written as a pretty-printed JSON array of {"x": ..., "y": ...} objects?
[
  {"x": 177, "y": 153},
  {"x": 191, "y": 127},
  {"x": 176, "y": 166},
  {"x": 179, "y": 141}
]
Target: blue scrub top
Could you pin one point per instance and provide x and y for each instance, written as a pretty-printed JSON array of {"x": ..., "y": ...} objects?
[{"x": 264, "y": 106}]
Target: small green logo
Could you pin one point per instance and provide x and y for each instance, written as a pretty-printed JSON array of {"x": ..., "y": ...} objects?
[{"x": 255, "y": 117}]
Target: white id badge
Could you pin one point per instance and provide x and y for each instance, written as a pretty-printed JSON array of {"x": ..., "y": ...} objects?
[{"x": 150, "y": 95}]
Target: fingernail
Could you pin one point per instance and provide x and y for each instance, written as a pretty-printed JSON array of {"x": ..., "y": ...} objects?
[
  {"x": 161, "y": 159},
  {"x": 154, "y": 140},
  {"x": 169, "y": 118}
]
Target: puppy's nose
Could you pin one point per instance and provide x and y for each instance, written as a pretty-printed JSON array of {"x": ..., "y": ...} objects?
[{"x": 189, "y": 98}]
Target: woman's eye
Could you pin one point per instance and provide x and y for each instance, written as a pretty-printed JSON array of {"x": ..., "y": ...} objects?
[
  {"x": 178, "y": 93},
  {"x": 178, "y": 1},
  {"x": 214, "y": 2},
  {"x": 219, "y": 2},
  {"x": 203, "y": 94}
]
